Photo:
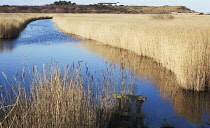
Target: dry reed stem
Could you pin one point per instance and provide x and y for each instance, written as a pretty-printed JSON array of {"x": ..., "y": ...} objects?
[
  {"x": 65, "y": 98},
  {"x": 181, "y": 45}
]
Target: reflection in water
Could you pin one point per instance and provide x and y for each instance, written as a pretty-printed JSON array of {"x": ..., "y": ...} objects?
[
  {"x": 195, "y": 107},
  {"x": 6, "y": 45},
  {"x": 192, "y": 105}
]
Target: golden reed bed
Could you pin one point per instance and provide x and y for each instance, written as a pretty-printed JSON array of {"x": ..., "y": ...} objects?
[
  {"x": 12, "y": 24},
  {"x": 61, "y": 98},
  {"x": 180, "y": 44},
  {"x": 144, "y": 67}
]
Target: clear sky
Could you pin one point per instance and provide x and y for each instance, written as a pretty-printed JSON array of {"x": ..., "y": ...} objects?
[{"x": 197, "y": 5}]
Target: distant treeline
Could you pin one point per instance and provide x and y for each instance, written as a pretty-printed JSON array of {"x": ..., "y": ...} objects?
[{"x": 64, "y": 3}]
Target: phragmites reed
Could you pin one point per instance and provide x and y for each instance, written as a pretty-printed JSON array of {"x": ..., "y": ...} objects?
[
  {"x": 163, "y": 17},
  {"x": 12, "y": 24},
  {"x": 188, "y": 104},
  {"x": 180, "y": 45},
  {"x": 62, "y": 98}
]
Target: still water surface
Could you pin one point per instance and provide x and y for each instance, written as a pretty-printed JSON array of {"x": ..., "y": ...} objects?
[{"x": 41, "y": 42}]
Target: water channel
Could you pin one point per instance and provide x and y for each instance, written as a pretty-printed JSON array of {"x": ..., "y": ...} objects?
[{"x": 167, "y": 104}]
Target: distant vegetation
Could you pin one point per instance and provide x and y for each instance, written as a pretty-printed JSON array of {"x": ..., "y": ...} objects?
[
  {"x": 69, "y": 7},
  {"x": 163, "y": 17},
  {"x": 64, "y": 3}
]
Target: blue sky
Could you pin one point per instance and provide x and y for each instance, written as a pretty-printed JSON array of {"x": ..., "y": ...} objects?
[{"x": 197, "y": 5}]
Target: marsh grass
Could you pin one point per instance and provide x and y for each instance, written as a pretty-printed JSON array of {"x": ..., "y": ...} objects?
[
  {"x": 12, "y": 24},
  {"x": 163, "y": 17},
  {"x": 180, "y": 45},
  {"x": 62, "y": 98},
  {"x": 194, "y": 106}
]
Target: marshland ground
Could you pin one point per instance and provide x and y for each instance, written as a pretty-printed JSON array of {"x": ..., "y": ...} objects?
[{"x": 178, "y": 43}]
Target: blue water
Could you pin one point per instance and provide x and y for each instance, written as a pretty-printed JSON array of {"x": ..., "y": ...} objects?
[{"x": 41, "y": 43}]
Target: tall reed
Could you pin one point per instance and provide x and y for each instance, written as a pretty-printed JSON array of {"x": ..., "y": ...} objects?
[
  {"x": 62, "y": 98},
  {"x": 12, "y": 24},
  {"x": 181, "y": 45}
]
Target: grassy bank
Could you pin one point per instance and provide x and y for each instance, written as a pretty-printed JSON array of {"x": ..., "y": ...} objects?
[
  {"x": 180, "y": 44},
  {"x": 12, "y": 24},
  {"x": 144, "y": 67},
  {"x": 62, "y": 98}
]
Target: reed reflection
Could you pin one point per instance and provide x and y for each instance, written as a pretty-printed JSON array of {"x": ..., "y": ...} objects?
[
  {"x": 6, "y": 45},
  {"x": 194, "y": 106}
]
